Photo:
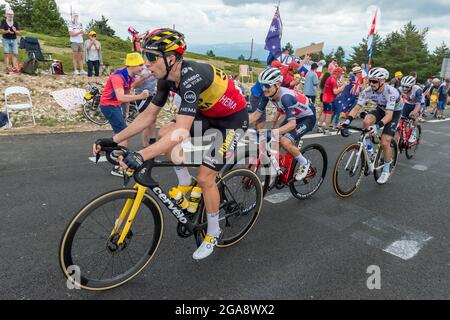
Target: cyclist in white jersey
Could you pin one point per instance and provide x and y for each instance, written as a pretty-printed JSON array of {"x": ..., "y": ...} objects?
[
  {"x": 386, "y": 116},
  {"x": 413, "y": 97},
  {"x": 295, "y": 107}
]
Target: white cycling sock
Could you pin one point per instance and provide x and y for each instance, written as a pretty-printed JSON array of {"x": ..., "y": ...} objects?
[
  {"x": 213, "y": 224},
  {"x": 301, "y": 159},
  {"x": 183, "y": 175},
  {"x": 387, "y": 167}
]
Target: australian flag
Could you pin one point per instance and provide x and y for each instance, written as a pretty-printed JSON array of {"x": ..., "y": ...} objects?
[{"x": 273, "y": 39}]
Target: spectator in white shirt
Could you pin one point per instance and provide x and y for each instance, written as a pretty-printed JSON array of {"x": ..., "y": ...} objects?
[{"x": 76, "y": 39}]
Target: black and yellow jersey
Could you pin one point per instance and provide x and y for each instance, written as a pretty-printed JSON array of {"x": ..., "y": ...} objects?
[{"x": 203, "y": 88}]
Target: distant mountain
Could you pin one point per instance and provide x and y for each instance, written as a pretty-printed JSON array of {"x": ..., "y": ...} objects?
[{"x": 234, "y": 50}]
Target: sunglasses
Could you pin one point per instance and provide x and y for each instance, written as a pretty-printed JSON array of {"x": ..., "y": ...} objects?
[
  {"x": 374, "y": 81},
  {"x": 151, "y": 57},
  {"x": 266, "y": 87},
  {"x": 406, "y": 87}
]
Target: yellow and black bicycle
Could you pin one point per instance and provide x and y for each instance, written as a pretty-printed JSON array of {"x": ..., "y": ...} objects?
[{"x": 116, "y": 235}]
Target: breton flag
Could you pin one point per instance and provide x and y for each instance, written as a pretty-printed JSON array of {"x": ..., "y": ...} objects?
[
  {"x": 371, "y": 39},
  {"x": 273, "y": 39}
]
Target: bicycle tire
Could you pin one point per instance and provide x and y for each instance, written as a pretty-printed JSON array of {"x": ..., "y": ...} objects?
[
  {"x": 411, "y": 151},
  {"x": 249, "y": 162},
  {"x": 378, "y": 159},
  {"x": 94, "y": 114},
  {"x": 337, "y": 188},
  {"x": 292, "y": 186},
  {"x": 67, "y": 258},
  {"x": 228, "y": 240}
]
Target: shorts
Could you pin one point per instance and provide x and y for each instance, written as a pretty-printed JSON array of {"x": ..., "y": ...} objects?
[
  {"x": 328, "y": 108},
  {"x": 304, "y": 125},
  {"x": 441, "y": 105},
  {"x": 254, "y": 103},
  {"x": 229, "y": 131},
  {"x": 115, "y": 116},
  {"x": 77, "y": 47},
  {"x": 407, "y": 109},
  {"x": 143, "y": 104},
  {"x": 391, "y": 127},
  {"x": 10, "y": 46}
]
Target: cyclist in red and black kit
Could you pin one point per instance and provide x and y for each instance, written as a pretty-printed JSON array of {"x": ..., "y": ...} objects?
[{"x": 209, "y": 100}]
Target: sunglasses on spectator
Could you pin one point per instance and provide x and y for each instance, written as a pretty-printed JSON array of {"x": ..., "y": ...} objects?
[
  {"x": 151, "y": 57},
  {"x": 374, "y": 81}
]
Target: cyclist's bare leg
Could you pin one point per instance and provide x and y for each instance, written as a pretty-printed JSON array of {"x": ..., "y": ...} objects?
[
  {"x": 290, "y": 147},
  {"x": 207, "y": 181},
  {"x": 386, "y": 145},
  {"x": 369, "y": 120}
]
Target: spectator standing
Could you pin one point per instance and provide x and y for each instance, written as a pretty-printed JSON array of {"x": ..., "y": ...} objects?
[
  {"x": 116, "y": 96},
  {"x": 395, "y": 82},
  {"x": 286, "y": 58},
  {"x": 93, "y": 56},
  {"x": 145, "y": 81},
  {"x": 311, "y": 83},
  {"x": 76, "y": 33},
  {"x": 10, "y": 30},
  {"x": 442, "y": 98},
  {"x": 331, "y": 91},
  {"x": 321, "y": 64}
]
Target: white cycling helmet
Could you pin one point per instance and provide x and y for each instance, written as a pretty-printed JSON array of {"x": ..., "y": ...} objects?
[
  {"x": 408, "y": 81},
  {"x": 270, "y": 76},
  {"x": 378, "y": 73}
]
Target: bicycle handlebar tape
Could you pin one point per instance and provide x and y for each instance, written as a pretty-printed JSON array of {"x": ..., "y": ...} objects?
[{"x": 106, "y": 143}]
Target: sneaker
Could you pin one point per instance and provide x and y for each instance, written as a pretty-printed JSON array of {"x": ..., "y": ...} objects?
[
  {"x": 384, "y": 177},
  {"x": 76, "y": 73},
  {"x": 302, "y": 171},
  {"x": 83, "y": 73},
  {"x": 319, "y": 129},
  {"x": 326, "y": 132},
  {"x": 412, "y": 137},
  {"x": 206, "y": 248},
  {"x": 117, "y": 172}
]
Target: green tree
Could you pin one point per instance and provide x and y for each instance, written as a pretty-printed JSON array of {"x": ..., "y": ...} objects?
[
  {"x": 330, "y": 56},
  {"x": 241, "y": 57},
  {"x": 289, "y": 47},
  {"x": 359, "y": 54},
  {"x": 340, "y": 56},
  {"x": 47, "y": 19},
  {"x": 210, "y": 53},
  {"x": 101, "y": 27},
  {"x": 406, "y": 50},
  {"x": 437, "y": 57}
]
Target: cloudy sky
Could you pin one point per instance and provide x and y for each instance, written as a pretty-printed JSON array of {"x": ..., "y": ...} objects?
[{"x": 336, "y": 22}]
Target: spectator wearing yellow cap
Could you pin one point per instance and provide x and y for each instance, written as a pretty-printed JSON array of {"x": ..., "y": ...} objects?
[
  {"x": 117, "y": 92},
  {"x": 395, "y": 82},
  {"x": 93, "y": 56}
]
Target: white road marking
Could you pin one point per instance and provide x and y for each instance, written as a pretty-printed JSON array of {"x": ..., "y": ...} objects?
[
  {"x": 420, "y": 167},
  {"x": 101, "y": 159},
  {"x": 278, "y": 197},
  {"x": 435, "y": 121},
  {"x": 408, "y": 245}
]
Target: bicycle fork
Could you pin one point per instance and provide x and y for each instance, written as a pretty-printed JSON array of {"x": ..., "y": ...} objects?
[{"x": 132, "y": 204}]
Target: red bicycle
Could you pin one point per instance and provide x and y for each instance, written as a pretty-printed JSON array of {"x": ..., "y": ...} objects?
[
  {"x": 403, "y": 136},
  {"x": 259, "y": 161}
]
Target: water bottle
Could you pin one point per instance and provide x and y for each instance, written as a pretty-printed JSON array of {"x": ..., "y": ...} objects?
[
  {"x": 176, "y": 195},
  {"x": 371, "y": 152},
  {"x": 194, "y": 199}
]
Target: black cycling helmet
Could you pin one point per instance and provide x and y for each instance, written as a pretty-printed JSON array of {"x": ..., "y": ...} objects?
[{"x": 164, "y": 41}]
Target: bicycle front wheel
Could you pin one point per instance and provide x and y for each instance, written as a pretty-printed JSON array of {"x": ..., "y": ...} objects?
[
  {"x": 379, "y": 160},
  {"x": 93, "y": 113},
  {"x": 239, "y": 207},
  {"x": 411, "y": 149},
  {"x": 348, "y": 170},
  {"x": 311, "y": 184},
  {"x": 89, "y": 254}
]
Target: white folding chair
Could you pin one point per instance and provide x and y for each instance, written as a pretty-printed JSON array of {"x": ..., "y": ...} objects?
[{"x": 21, "y": 106}]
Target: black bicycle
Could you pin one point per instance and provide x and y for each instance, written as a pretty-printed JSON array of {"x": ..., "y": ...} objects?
[
  {"x": 116, "y": 235},
  {"x": 91, "y": 107}
]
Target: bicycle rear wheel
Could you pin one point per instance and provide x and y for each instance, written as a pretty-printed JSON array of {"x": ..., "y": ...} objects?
[
  {"x": 379, "y": 160},
  {"x": 347, "y": 172},
  {"x": 240, "y": 205},
  {"x": 88, "y": 246},
  {"x": 311, "y": 184},
  {"x": 92, "y": 112},
  {"x": 411, "y": 150}
]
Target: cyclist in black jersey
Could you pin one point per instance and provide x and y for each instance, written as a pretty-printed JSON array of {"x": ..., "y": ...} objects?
[{"x": 208, "y": 97}]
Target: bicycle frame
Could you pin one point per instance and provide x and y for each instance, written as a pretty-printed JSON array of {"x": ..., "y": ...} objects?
[
  {"x": 363, "y": 151},
  {"x": 404, "y": 134}
]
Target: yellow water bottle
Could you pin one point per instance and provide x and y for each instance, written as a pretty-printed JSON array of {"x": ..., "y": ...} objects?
[
  {"x": 179, "y": 198},
  {"x": 194, "y": 200}
]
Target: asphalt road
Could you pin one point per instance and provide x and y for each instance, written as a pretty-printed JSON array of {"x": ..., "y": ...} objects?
[{"x": 320, "y": 248}]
